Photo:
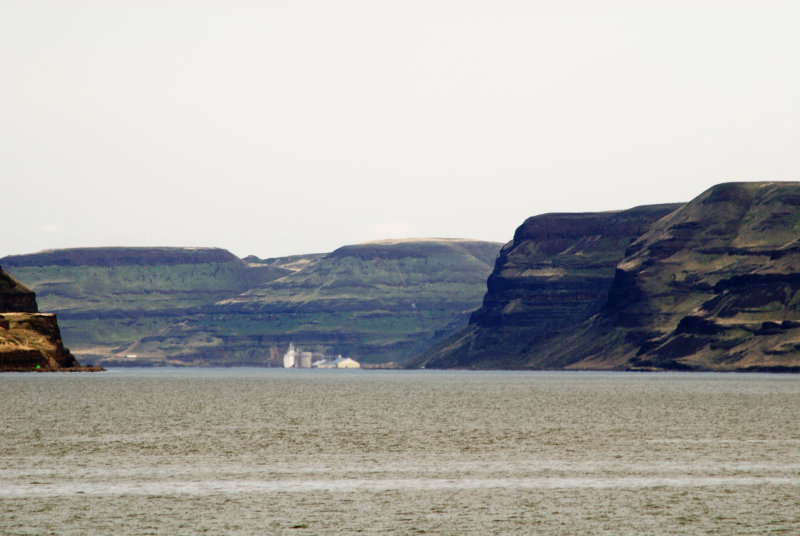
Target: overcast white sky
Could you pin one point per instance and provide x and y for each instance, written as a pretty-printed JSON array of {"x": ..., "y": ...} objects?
[{"x": 282, "y": 127}]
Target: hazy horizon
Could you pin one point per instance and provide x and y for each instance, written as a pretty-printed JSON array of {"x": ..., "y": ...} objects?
[{"x": 283, "y": 128}]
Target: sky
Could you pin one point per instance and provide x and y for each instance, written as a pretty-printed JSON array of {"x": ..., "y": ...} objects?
[{"x": 286, "y": 127}]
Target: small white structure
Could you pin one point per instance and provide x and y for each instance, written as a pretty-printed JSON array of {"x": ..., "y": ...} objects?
[
  {"x": 290, "y": 357},
  {"x": 338, "y": 363}
]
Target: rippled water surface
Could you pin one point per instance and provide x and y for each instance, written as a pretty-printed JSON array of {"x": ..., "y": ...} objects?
[{"x": 265, "y": 451}]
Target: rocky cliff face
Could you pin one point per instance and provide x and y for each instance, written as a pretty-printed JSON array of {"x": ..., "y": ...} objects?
[
  {"x": 554, "y": 274},
  {"x": 713, "y": 286},
  {"x": 29, "y": 340},
  {"x": 32, "y": 341},
  {"x": 14, "y": 296}
]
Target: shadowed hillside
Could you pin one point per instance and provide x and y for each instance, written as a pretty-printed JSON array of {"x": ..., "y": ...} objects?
[
  {"x": 712, "y": 285},
  {"x": 554, "y": 274},
  {"x": 14, "y": 296}
]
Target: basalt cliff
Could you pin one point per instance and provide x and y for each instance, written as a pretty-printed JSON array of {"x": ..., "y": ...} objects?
[
  {"x": 712, "y": 285},
  {"x": 554, "y": 274},
  {"x": 29, "y": 340}
]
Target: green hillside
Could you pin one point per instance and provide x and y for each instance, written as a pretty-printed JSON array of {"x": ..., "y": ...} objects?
[
  {"x": 108, "y": 299},
  {"x": 375, "y": 302}
]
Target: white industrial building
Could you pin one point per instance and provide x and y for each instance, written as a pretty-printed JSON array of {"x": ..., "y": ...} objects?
[
  {"x": 339, "y": 363},
  {"x": 290, "y": 357},
  {"x": 296, "y": 359}
]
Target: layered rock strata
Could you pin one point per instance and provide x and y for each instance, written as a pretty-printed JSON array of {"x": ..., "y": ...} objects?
[
  {"x": 712, "y": 286},
  {"x": 14, "y": 296},
  {"x": 29, "y": 340},
  {"x": 554, "y": 274}
]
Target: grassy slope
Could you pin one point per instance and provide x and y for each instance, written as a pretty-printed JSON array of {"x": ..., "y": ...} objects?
[
  {"x": 375, "y": 302},
  {"x": 105, "y": 307},
  {"x": 376, "y": 308}
]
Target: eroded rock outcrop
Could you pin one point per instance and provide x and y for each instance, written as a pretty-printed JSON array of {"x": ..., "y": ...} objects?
[
  {"x": 14, "y": 296},
  {"x": 29, "y": 340}
]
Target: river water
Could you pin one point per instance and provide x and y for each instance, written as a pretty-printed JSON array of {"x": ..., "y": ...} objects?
[{"x": 267, "y": 451}]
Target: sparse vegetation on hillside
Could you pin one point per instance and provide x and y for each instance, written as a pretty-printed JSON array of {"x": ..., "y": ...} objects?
[{"x": 375, "y": 302}]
